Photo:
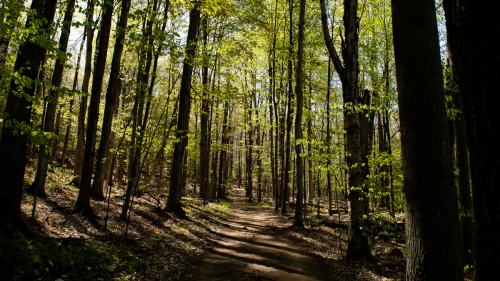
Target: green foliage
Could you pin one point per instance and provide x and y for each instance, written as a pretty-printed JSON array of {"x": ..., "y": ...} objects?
[
  {"x": 265, "y": 204},
  {"x": 46, "y": 258}
]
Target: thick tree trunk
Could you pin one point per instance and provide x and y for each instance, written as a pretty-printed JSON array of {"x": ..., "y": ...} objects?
[
  {"x": 112, "y": 98},
  {"x": 174, "y": 198},
  {"x": 13, "y": 146},
  {"x": 38, "y": 185},
  {"x": 83, "y": 202},
  {"x": 430, "y": 193},
  {"x": 358, "y": 244},
  {"x": 299, "y": 211},
  {"x": 474, "y": 32}
]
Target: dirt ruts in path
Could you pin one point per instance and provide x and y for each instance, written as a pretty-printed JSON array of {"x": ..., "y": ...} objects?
[{"x": 250, "y": 246}]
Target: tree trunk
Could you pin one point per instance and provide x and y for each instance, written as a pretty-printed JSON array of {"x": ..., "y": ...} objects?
[
  {"x": 299, "y": 211},
  {"x": 328, "y": 143},
  {"x": 112, "y": 98},
  {"x": 358, "y": 244},
  {"x": 38, "y": 185},
  {"x": 473, "y": 32},
  {"x": 83, "y": 202},
  {"x": 249, "y": 142},
  {"x": 430, "y": 194},
  {"x": 463, "y": 181},
  {"x": 174, "y": 198},
  {"x": 184, "y": 169},
  {"x": 13, "y": 146},
  {"x": 72, "y": 102},
  {"x": 223, "y": 154},
  {"x": 204, "y": 147},
  {"x": 83, "y": 99}
]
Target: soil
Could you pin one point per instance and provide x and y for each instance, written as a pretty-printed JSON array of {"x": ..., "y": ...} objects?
[{"x": 252, "y": 245}]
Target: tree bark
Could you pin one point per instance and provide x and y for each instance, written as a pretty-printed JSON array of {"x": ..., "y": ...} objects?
[
  {"x": 249, "y": 143},
  {"x": 473, "y": 31},
  {"x": 299, "y": 211},
  {"x": 38, "y": 185},
  {"x": 80, "y": 144},
  {"x": 112, "y": 98},
  {"x": 328, "y": 143},
  {"x": 357, "y": 243},
  {"x": 174, "y": 198},
  {"x": 83, "y": 202},
  {"x": 463, "y": 181},
  {"x": 204, "y": 111},
  {"x": 430, "y": 194},
  {"x": 13, "y": 144},
  {"x": 72, "y": 102}
]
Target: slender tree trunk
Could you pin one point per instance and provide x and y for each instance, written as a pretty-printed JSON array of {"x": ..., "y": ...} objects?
[
  {"x": 328, "y": 142},
  {"x": 184, "y": 169},
  {"x": 72, "y": 102},
  {"x": 174, "y": 198},
  {"x": 249, "y": 141},
  {"x": 299, "y": 211},
  {"x": 43, "y": 161},
  {"x": 83, "y": 99},
  {"x": 223, "y": 154},
  {"x": 286, "y": 190},
  {"x": 463, "y": 181},
  {"x": 430, "y": 194},
  {"x": 161, "y": 152},
  {"x": 140, "y": 120},
  {"x": 204, "y": 147},
  {"x": 83, "y": 202},
  {"x": 112, "y": 98},
  {"x": 13, "y": 146}
]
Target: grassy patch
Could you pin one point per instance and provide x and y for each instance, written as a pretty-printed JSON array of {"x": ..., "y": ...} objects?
[{"x": 265, "y": 204}]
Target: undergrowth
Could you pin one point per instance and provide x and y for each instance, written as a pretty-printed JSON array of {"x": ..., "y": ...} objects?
[{"x": 45, "y": 258}]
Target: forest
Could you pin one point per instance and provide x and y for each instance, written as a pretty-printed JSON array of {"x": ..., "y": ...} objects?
[{"x": 249, "y": 140}]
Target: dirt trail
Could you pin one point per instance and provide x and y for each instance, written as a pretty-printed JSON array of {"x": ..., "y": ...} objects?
[{"x": 250, "y": 245}]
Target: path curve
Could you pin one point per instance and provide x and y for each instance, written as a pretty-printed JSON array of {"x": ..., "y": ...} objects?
[{"x": 250, "y": 245}]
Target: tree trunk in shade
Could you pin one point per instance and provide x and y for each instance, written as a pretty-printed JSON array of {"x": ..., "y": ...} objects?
[
  {"x": 473, "y": 32},
  {"x": 13, "y": 146},
  {"x": 43, "y": 159},
  {"x": 429, "y": 185},
  {"x": 174, "y": 198},
  {"x": 83, "y": 201},
  {"x": 112, "y": 99}
]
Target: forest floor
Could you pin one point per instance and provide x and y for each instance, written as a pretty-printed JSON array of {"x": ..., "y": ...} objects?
[{"x": 223, "y": 240}]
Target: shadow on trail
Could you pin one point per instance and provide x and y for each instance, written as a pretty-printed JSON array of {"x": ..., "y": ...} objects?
[{"x": 250, "y": 245}]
